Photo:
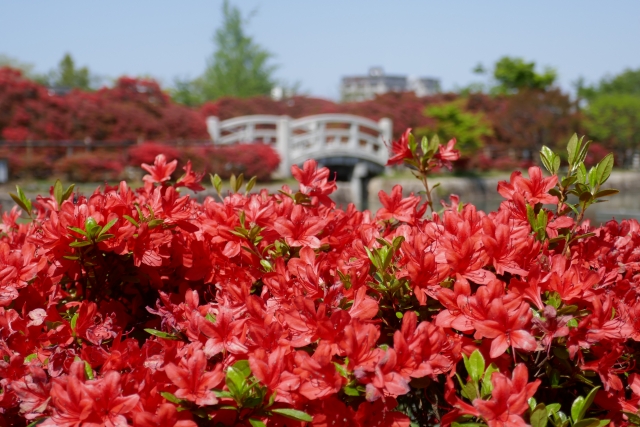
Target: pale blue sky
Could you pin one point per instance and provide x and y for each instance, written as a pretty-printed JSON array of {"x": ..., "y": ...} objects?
[{"x": 317, "y": 42}]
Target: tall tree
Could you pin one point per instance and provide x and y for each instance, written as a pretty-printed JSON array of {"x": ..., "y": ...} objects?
[
  {"x": 511, "y": 75},
  {"x": 625, "y": 83},
  {"x": 239, "y": 67},
  {"x": 67, "y": 75},
  {"x": 613, "y": 110},
  {"x": 453, "y": 121},
  {"x": 515, "y": 74}
]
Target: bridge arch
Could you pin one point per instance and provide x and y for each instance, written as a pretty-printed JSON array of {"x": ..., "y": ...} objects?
[{"x": 330, "y": 139}]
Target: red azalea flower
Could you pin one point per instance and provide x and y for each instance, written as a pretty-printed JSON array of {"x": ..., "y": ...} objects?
[
  {"x": 195, "y": 382},
  {"x": 190, "y": 179},
  {"x": 509, "y": 399},
  {"x": 400, "y": 150},
  {"x": 447, "y": 154},
  {"x": 160, "y": 171},
  {"x": 507, "y": 329}
]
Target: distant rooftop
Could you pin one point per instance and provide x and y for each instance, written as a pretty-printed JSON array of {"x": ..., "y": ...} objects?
[{"x": 362, "y": 88}]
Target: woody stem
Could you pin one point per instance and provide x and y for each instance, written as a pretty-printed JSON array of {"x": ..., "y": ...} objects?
[{"x": 423, "y": 178}]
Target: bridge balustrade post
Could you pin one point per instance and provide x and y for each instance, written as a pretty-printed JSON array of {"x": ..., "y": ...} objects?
[
  {"x": 353, "y": 136},
  {"x": 213, "y": 127},
  {"x": 386, "y": 134},
  {"x": 283, "y": 147},
  {"x": 249, "y": 133}
]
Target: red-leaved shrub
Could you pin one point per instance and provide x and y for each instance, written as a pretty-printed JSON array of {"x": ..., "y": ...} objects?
[
  {"x": 146, "y": 308},
  {"x": 257, "y": 159},
  {"x": 90, "y": 167},
  {"x": 148, "y": 151}
]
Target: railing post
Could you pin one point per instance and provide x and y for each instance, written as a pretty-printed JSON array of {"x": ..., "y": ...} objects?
[
  {"x": 249, "y": 132},
  {"x": 213, "y": 126},
  {"x": 283, "y": 140},
  {"x": 386, "y": 136},
  {"x": 386, "y": 129},
  {"x": 353, "y": 136}
]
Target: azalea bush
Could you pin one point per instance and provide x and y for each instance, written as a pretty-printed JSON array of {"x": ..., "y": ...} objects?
[
  {"x": 142, "y": 307},
  {"x": 90, "y": 166}
]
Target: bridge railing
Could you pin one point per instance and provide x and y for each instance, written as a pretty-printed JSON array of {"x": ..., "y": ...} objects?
[{"x": 314, "y": 137}]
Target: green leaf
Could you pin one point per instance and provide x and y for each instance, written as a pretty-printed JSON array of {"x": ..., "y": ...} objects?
[
  {"x": 74, "y": 321},
  {"x": 592, "y": 177},
  {"x": 232, "y": 182},
  {"x": 161, "y": 334},
  {"x": 24, "y": 199},
  {"x": 155, "y": 222},
  {"x": 487, "y": 386},
  {"x": 239, "y": 182},
  {"x": 131, "y": 220},
  {"x": 210, "y": 317},
  {"x": 107, "y": 226},
  {"x": 531, "y": 217},
  {"x": 256, "y": 423},
  {"x": 604, "y": 168},
  {"x": 634, "y": 418},
  {"x": 236, "y": 381},
  {"x": 424, "y": 144},
  {"x": 582, "y": 173},
  {"x": 606, "y": 192},
  {"x": 341, "y": 370},
  {"x": 104, "y": 237},
  {"x": 539, "y": 417},
  {"x": 552, "y": 408},
  {"x": 216, "y": 181},
  {"x": 68, "y": 192},
  {"x": 81, "y": 244},
  {"x": 20, "y": 203},
  {"x": 435, "y": 140},
  {"x": 251, "y": 184},
  {"x": 581, "y": 236},
  {"x": 577, "y": 409},
  {"x": 37, "y": 422},
  {"x": 586, "y": 197},
  {"x": 91, "y": 226},
  {"x": 572, "y": 149},
  {"x": 88, "y": 371},
  {"x": 293, "y": 414},
  {"x": 351, "y": 391},
  {"x": 412, "y": 143},
  {"x": 588, "y": 401},
  {"x": 592, "y": 422},
  {"x": 171, "y": 397},
  {"x": 243, "y": 367},
  {"x": 476, "y": 366},
  {"x": 469, "y": 391},
  {"x": 582, "y": 153},
  {"x": 79, "y": 231},
  {"x": 222, "y": 393},
  {"x": 57, "y": 192},
  {"x": 30, "y": 357}
]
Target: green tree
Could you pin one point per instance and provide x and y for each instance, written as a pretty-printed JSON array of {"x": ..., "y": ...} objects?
[
  {"x": 511, "y": 75},
  {"x": 614, "y": 118},
  {"x": 239, "y": 67},
  {"x": 452, "y": 121},
  {"x": 67, "y": 75},
  {"x": 187, "y": 92},
  {"x": 8, "y": 61},
  {"x": 625, "y": 83},
  {"x": 515, "y": 74}
]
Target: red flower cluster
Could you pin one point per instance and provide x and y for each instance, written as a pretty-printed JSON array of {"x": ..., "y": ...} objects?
[{"x": 146, "y": 308}]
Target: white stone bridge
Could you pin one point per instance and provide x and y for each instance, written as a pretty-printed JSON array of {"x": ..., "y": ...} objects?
[{"x": 352, "y": 145}]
